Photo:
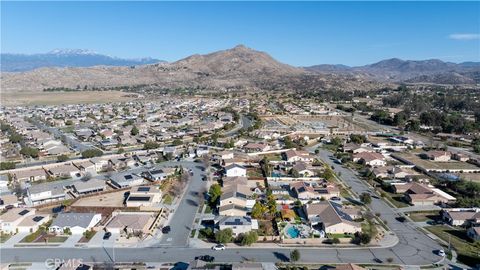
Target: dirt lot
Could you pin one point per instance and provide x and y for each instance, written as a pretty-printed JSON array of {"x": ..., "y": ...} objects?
[
  {"x": 475, "y": 177},
  {"x": 54, "y": 98},
  {"x": 114, "y": 199},
  {"x": 432, "y": 165}
]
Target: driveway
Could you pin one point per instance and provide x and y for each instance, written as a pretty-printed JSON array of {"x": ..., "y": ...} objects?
[
  {"x": 72, "y": 240},
  {"x": 14, "y": 239}
]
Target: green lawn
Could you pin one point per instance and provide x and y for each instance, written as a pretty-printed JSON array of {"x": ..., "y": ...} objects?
[
  {"x": 192, "y": 233},
  {"x": 4, "y": 237},
  {"x": 396, "y": 199},
  {"x": 339, "y": 235},
  {"x": 208, "y": 209},
  {"x": 57, "y": 239},
  {"x": 468, "y": 252},
  {"x": 167, "y": 199},
  {"x": 424, "y": 216}
]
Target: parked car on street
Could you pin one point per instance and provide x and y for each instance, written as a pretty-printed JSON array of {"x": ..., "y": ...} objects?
[{"x": 219, "y": 247}]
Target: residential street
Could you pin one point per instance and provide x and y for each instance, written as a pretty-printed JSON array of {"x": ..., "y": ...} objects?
[
  {"x": 414, "y": 247},
  {"x": 184, "y": 215}
]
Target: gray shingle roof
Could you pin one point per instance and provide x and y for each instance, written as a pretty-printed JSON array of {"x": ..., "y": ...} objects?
[{"x": 73, "y": 220}]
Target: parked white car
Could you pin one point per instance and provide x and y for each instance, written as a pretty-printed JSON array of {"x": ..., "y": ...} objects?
[{"x": 219, "y": 247}]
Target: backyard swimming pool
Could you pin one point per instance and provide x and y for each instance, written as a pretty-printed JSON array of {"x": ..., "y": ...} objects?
[{"x": 292, "y": 231}]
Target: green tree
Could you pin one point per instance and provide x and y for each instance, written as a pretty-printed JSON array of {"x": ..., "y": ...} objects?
[
  {"x": 29, "y": 152},
  {"x": 224, "y": 236},
  {"x": 90, "y": 153},
  {"x": 134, "y": 131},
  {"x": 295, "y": 255},
  {"x": 150, "y": 145},
  {"x": 214, "y": 193},
  {"x": 16, "y": 138},
  {"x": 177, "y": 142},
  {"x": 249, "y": 238},
  {"x": 62, "y": 158},
  {"x": 258, "y": 210},
  {"x": 336, "y": 141},
  {"x": 7, "y": 165},
  {"x": 365, "y": 238},
  {"x": 365, "y": 198},
  {"x": 357, "y": 138}
]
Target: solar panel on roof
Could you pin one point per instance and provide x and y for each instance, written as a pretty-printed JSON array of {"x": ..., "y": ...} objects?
[
  {"x": 37, "y": 219},
  {"x": 137, "y": 198},
  {"x": 128, "y": 177},
  {"x": 24, "y": 212},
  {"x": 143, "y": 189}
]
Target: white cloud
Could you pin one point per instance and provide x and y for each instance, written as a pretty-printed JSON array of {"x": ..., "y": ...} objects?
[{"x": 464, "y": 36}]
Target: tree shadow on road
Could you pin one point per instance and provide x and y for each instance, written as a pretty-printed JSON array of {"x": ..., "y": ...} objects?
[{"x": 280, "y": 256}]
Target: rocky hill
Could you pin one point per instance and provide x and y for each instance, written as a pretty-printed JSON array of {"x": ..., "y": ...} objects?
[
  {"x": 233, "y": 69},
  {"x": 397, "y": 70}
]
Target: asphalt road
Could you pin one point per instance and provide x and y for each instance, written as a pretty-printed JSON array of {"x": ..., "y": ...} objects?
[
  {"x": 412, "y": 242},
  {"x": 154, "y": 254},
  {"x": 414, "y": 248},
  {"x": 69, "y": 138},
  {"x": 183, "y": 216},
  {"x": 244, "y": 123}
]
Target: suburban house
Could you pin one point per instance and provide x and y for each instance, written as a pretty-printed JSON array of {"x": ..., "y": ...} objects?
[
  {"x": 236, "y": 200},
  {"x": 309, "y": 191},
  {"x": 256, "y": 147},
  {"x": 77, "y": 223},
  {"x": 235, "y": 170},
  {"x": 292, "y": 156},
  {"x": 328, "y": 216},
  {"x": 29, "y": 175},
  {"x": 125, "y": 179},
  {"x": 131, "y": 222},
  {"x": 86, "y": 166},
  {"x": 418, "y": 194},
  {"x": 461, "y": 216},
  {"x": 372, "y": 159},
  {"x": 474, "y": 233},
  {"x": 435, "y": 155},
  {"x": 8, "y": 200},
  {"x": 154, "y": 175},
  {"x": 101, "y": 164},
  {"x": 460, "y": 157},
  {"x": 21, "y": 220},
  {"x": 45, "y": 193},
  {"x": 144, "y": 196},
  {"x": 120, "y": 163},
  {"x": 303, "y": 169},
  {"x": 87, "y": 187},
  {"x": 238, "y": 224},
  {"x": 64, "y": 171},
  {"x": 224, "y": 155},
  {"x": 202, "y": 150}
]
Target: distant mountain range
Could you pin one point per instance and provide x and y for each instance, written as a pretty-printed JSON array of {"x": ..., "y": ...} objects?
[
  {"x": 65, "y": 58},
  {"x": 409, "y": 71},
  {"x": 242, "y": 68}
]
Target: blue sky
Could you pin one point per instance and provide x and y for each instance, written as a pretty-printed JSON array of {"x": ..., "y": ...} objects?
[{"x": 297, "y": 33}]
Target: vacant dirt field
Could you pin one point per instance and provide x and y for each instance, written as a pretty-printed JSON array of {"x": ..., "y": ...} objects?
[
  {"x": 114, "y": 199},
  {"x": 54, "y": 98}
]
